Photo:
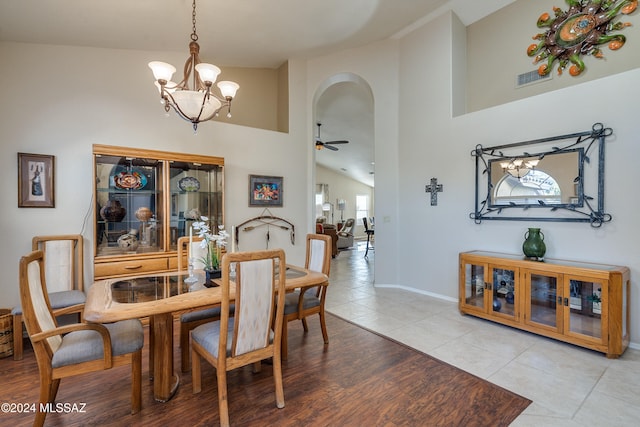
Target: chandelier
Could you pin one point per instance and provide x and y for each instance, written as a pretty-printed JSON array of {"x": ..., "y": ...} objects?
[
  {"x": 192, "y": 98},
  {"x": 519, "y": 167}
]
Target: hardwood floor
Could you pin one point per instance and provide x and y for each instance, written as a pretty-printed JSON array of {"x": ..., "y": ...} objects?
[{"x": 359, "y": 378}]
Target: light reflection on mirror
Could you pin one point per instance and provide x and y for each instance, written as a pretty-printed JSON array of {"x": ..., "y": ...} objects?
[{"x": 525, "y": 181}]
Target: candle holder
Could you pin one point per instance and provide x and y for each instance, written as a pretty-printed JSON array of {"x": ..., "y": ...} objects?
[{"x": 192, "y": 278}]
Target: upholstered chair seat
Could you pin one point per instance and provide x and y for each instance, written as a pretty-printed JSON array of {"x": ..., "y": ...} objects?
[
  {"x": 309, "y": 300},
  {"x": 127, "y": 336},
  {"x": 194, "y": 316},
  {"x": 60, "y": 299}
]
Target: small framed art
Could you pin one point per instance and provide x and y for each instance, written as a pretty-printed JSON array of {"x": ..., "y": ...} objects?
[
  {"x": 265, "y": 190},
  {"x": 36, "y": 181}
]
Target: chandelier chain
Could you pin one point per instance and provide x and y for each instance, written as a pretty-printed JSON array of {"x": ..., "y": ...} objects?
[{"x": 194, "y": 35}]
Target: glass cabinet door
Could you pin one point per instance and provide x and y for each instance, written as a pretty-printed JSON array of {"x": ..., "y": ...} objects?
[
  {"x": 129, "y": 205},
  {"x": 542, "y": 300},
  {"x": 503, "y": 291},
  {"x": 583, "y": 309},
  {"x": 474, "y": 286},
  {"x": 196, "y": 190}
]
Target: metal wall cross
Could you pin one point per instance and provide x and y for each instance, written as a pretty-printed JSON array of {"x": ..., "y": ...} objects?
[{"x": 434, "y": 188}]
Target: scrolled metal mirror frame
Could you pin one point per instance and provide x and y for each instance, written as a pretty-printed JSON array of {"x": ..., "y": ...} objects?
[{"x": 590, "y": 208}]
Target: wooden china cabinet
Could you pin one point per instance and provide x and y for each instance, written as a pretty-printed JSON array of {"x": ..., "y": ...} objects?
[
  {"x": 585, "y": 304},
  {"x": 144, "y": 201}
]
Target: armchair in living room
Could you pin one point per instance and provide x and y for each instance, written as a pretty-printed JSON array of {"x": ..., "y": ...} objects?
[
  {"x": 329, "y": 229},
  {"x": 345, "y": 235}
]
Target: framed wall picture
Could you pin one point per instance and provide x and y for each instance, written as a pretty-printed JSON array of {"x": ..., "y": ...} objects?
[
  {"x": 265, "y": 190},
  {"x": 36, "y": 181}
]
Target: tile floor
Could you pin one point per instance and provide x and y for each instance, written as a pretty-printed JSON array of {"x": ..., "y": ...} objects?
[{"x": 569, "y": 386}]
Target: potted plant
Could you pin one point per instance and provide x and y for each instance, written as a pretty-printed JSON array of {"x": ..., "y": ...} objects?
[{"x": 213, "y": 243}]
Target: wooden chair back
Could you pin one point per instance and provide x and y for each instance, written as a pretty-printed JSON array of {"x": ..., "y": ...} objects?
[
  {"x": 63, "y": 266},
  {"x": 318, "y": 255},
  {"x": 37, "y": 314},
  {"x": 318, "y": 258},
  {"x": 259, "y": 285},
  {"x": 309, "y": 300},
  {"x": 259, "y": 282}
]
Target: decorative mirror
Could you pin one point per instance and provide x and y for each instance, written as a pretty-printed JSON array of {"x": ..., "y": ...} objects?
[{"x": 560, "y": 178}]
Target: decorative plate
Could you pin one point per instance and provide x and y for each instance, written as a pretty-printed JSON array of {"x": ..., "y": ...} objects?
[
  {"x": 189, "y": 184},
  {"x": 130, "y": 180}
]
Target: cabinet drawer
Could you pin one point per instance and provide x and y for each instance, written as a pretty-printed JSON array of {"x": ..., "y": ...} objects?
[
  {"x": 173, "y": 263},
  {"x": 125, "y": 268}
]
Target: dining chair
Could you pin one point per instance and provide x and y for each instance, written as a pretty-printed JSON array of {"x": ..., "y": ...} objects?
[
  {"x": 192, "y": 319},
  {"x": 248, "y": 337},
  {"x": 65, "y": 280},
  {"x": 308, "y": 301},
  {"x": 74, "y": 349},
  {"x": 370, "y": 232}
]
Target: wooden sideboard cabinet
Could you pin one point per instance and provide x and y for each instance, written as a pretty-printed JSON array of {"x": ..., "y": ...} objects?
[
  {"x": 585, "y": 304},
  {"x": 144, "y": 201}
]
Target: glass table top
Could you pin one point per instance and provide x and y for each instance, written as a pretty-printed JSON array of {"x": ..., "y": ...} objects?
[{"x": 152, "y": 288}]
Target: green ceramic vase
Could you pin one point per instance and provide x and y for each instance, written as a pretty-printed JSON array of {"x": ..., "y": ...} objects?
[{"x": 533, "y": 246}]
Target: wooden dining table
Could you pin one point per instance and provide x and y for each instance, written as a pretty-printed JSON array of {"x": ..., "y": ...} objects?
[{"x": 158, "y": 297}]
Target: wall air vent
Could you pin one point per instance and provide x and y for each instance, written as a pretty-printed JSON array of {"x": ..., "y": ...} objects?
[{"x": 531, "y": 77}]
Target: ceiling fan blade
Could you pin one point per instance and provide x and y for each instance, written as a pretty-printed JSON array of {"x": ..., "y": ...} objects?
[
  {"x": 330, "y": 147},
  {"x": 337, "y": 142}
]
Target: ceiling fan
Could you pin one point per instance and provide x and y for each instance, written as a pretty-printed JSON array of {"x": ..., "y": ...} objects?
[{"x": 329, "y": 144}]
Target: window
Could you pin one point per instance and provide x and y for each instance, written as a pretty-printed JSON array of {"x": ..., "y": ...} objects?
[
  {"x": 533, "y": 187},
  {"x": 322, "y": 196},
  {"x": 319, "y": 202},
  {"x": 362, "y": 207}
]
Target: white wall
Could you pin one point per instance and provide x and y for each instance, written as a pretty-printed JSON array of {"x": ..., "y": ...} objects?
[
  {"x": 434, "y": 144},
  {"x": 99, "y": 96}
]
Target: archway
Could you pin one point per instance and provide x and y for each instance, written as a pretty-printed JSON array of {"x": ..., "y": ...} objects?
[{"x": 344, "y": 105}]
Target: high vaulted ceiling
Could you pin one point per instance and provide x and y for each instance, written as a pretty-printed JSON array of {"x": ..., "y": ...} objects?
[{"x": 241, "y": 33}]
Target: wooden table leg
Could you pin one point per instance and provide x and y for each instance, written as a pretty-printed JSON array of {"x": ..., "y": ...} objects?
[{"x": 165, "y": 380}]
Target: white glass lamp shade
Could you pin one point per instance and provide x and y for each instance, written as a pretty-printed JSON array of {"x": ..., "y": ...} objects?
[
  {"x": 162, "y": 70},
  {"x": 228, "y": 89},
  {"x": 207, "y": 72},
  {"x": 190, "y": 102}
]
